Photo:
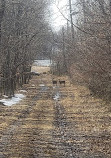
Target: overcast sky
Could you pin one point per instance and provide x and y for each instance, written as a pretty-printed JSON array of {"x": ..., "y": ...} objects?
[{"x": 57, "y": 20}]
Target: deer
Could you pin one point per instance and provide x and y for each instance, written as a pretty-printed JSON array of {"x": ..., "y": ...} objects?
[
  {"x": 54, "y": 82},
  {"x": 62, "y": 82}
]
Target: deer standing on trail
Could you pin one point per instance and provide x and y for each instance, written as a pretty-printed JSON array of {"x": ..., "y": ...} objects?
[
  {"x": 54, "y": 82},
  {"x": 62, "y": 82}
]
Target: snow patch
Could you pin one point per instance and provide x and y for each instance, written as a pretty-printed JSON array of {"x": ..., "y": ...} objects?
[
  {"x": 41, "y": 85},
  {"x": 5, "y": 96},
  {"x": 13, "y": 100},
  {"x": 57, "y": 96},
  {"x": 23, "y": 91}
]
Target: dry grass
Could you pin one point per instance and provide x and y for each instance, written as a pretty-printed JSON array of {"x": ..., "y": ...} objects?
[
  {"x": 23, "y": 127},
  {"x": 38, "y": 122},
  {"x": 88, "y": 110},
  {"x": 91, "y": 116},
  {"x": 40, "y": 69},
  {"x": 33, "y": 120}
]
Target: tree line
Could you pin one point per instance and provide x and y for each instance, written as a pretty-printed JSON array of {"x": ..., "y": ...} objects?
[
  {"x": 85, "y": 45},
  {"x": 81, "y": 49},
  {"x": 22, "y": 31}
]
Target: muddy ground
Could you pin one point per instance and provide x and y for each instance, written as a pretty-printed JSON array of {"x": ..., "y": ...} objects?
[{"x": 55, "y": 122}]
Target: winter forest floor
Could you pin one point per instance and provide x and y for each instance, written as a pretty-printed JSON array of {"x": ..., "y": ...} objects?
[{"x": 55, "y": 122}]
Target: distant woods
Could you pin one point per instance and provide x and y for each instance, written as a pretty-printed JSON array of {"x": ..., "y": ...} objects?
[
  {"x": 83, "y": 47},
  {"x": 22, "y": 31}
]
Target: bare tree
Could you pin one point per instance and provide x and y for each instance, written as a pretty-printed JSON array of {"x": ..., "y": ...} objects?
[{"x": 22, "y": 26}]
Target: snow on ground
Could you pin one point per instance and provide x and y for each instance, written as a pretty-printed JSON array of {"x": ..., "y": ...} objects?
[
  {"x": 5, "y": 96},
  {"x": 23, "y": 91},
  {"x": 41, "y": 85},
  {"x": 13, "y": 100},
  {"x": 42, "y": 62},
  {"x": 57, "y": 96}
]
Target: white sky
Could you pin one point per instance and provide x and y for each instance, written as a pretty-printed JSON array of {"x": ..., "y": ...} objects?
[{"x": 57, "y": 20}]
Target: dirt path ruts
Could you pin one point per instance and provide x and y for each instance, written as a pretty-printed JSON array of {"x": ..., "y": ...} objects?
[
  {"x": 6, "y": 138},
  {"x": 70, "y": 142},
  {"x": 49, "y": 126}
]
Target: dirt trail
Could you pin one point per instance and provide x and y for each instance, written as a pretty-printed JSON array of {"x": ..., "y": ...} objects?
[{"x": 55, "y": 122}]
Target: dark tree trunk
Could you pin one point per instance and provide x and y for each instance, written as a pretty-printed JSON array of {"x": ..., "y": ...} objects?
[{"x": 2, "y": 11}]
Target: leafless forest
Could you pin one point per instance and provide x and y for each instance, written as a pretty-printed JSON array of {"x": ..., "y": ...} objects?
[
  {"x": 81, "y": 49},
  {"x": 85, "y": 46},
  {"x": 23, "y": 33},
  {"x": 62, "y": 110}
]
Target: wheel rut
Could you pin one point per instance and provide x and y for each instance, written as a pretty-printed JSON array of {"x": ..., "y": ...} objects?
[
  {"x": 48, "y": 123},
  {"x": 60, "y": 134}
]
